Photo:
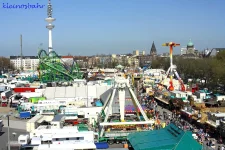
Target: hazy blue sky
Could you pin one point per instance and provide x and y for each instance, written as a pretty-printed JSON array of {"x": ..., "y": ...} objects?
[{"x": 87, "y": 27}]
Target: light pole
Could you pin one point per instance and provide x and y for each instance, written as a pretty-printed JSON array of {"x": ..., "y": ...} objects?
[
  {"x": 41, "y": 139},
  {"x": 7, "y": 116},
  {"x": 2, "y": 67},
  {"x": 8, "y": 133},
  {"x": 87, "y": 94}
]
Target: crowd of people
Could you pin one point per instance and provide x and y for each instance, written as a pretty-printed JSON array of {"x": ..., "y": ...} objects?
[{"x": 167, "y": 117}]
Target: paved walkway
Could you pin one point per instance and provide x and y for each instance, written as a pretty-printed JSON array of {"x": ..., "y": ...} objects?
[
  {"x": 15, "y": 124},
  {"x": 13, "y": 137},
  {"x": 6, "y": 109}
]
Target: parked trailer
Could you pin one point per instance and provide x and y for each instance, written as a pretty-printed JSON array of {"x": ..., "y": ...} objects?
[
  {"x": 72, "y": 120},
  {"x": 220, "y": 98},
  {"x": 115, "y": 137},
  {"x": 25, "y": 115},
  {"x": 18, "y": 145},
  {"x": 32, "y": 123},
  {"x": 24, "y": 89},
  {"x": 115, "y": 134},
  {"x": 36, "y": 99},
  {"x": 3, "y": 88},
  {"x": 31, "y": 94},
  {"x": 113, "y": 140},
  {"x": 23, "y": 139},
  {"x": 6, "y": 94}
]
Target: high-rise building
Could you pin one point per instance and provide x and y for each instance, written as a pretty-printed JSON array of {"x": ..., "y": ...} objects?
[
  {"x": 28, "y": 62},
  {"x": 142, "y": 53},
  {"x": 136, "y": 52}
]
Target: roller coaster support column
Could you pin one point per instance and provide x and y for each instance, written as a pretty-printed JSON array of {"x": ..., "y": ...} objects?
[{"x": 171, "y": 45}]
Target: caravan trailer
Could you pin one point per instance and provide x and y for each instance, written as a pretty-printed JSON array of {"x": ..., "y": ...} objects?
[
  {"x": 23, "y": 139},
  {"x": 6, "y": 94}
]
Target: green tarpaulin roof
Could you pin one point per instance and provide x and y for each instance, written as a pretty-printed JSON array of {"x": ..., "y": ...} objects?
[{"x": 168, "y": 138}]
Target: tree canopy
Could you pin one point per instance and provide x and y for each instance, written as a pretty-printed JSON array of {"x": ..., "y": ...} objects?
[{"x": 5, "y": 64}]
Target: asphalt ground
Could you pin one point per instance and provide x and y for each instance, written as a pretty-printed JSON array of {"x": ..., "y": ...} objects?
[
  {"x": 4, "y": 136},
  {"x": 11, "y": 111}
]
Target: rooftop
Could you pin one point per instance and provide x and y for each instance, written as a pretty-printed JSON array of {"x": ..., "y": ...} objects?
[
  {"x": 24, "y": 57},
  {"x": 48, "y": 129},
  {"x": 58, "y": 118},
  {"x": 171, "y": 138},
  {"x": 190, "y": 43}
]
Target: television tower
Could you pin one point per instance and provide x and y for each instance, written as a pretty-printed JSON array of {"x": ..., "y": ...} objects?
[{"x": 50, "y": 26}]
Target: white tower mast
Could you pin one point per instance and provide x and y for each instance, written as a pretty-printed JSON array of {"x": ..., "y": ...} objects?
[{"x": 50, "y": 26}]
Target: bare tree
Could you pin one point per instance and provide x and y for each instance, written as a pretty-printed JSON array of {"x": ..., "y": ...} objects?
[{"x": 5, "y": 64}]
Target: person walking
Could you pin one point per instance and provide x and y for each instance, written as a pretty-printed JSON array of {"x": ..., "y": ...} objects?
[
  {"x": 173, "y": 113},
  {"x": 169, "y": 117},
  {"x": 164, "y": 115},
  {"x": 10, "y": 104},
  {"x": 210, "y": 143}
]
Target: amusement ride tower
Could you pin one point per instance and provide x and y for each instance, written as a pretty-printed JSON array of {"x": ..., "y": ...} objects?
[
  {"x": 120, "y": 85},
  {"x": 172, "y": 69},
  {"x": 50, "y": 26}
]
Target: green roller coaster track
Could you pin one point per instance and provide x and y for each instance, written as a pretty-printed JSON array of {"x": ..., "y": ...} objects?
[{"x": 53, "y": 69}]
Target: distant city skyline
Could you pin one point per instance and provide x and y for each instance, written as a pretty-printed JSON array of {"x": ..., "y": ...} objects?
[{"x": 87, "y": 27}]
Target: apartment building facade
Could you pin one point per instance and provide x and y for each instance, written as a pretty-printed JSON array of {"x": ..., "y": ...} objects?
[{"x": 27, "y": 62}]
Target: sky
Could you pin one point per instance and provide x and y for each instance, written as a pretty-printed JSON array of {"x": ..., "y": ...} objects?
[{"x": 88, "y": 27}]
